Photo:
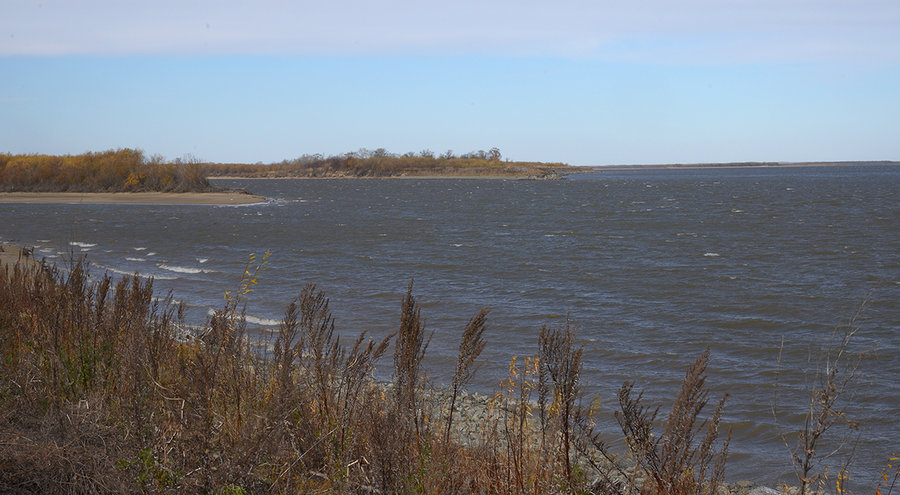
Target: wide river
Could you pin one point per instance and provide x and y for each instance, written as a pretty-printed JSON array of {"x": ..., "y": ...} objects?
[{"x": 649, "y": 266}]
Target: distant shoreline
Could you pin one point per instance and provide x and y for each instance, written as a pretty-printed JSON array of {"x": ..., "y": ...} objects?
[
  {"x": 143, "y": 198},
  {"x": 393, "y": 177},
  {"x": 675, "y": 166},
  {"x": 566, "y": 171}
]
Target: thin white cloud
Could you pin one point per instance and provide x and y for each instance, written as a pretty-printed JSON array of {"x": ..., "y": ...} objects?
[{"x": 652, "y": 30}]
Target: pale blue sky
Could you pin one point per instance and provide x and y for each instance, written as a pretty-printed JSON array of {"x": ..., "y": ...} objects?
[{"x": 588, "y": 83}]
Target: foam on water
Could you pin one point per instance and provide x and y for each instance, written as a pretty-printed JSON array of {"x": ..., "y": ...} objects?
[
  {"x": 260, "y": 203},
  {"x": 267, "y": 322},
  {"x": 182, "y": 269},
  {"x": 255, "y": 320},
  {"x": 82, "y": 245},
  {"x": 139, "y": 274}
]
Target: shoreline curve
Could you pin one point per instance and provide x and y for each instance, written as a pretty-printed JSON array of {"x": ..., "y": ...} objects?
[{"x": 137, "y": 198}]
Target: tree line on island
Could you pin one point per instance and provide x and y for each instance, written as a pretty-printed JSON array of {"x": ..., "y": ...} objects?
[
  {"x": 382, "y": 163},
  {"x": 130, "y": 170},
  {"x": 122, "y": 170}
]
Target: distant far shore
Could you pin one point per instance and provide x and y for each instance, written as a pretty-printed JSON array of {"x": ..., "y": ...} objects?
[
  {"x": 150, "y": 198},
  {"x": 557, "y": 173},
  {"x": 668, "y": 166}
]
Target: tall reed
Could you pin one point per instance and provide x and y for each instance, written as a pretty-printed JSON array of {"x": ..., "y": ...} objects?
[{"x": 105, "y": 389}]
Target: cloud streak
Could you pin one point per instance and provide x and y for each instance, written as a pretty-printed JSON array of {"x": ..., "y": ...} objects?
[{"x": 693, "y": 31}]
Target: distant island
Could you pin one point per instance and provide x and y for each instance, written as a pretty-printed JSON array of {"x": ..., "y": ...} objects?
[
  {"x": 380, "y": 163},
  {"x": 122, "y": 170},
  {"x": 130, "y": 171},
  {"x": 109, "y": 177}
]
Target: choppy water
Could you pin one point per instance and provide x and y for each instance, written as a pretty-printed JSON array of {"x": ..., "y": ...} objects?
[{"x": 650, "y": 266}]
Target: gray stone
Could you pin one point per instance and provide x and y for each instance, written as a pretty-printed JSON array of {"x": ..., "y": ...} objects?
[{"x": 764, "y": 490}]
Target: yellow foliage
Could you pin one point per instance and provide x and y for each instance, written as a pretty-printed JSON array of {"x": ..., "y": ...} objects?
[
  {"x": 132, "y": 181},
  {"x": 113, "y": 170}
]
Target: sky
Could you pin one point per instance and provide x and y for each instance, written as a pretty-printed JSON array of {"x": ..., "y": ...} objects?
[{"x": 581, "y": 82}]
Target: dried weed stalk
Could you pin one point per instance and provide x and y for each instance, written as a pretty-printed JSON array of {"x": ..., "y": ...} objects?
[{"x": 673, "y": 461}]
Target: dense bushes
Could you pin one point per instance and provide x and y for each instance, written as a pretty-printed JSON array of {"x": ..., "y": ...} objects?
[
  {"x": 380, "y": 163},
  {"x": 107, "y": 171},
  {"x": 128, "y": 170}
]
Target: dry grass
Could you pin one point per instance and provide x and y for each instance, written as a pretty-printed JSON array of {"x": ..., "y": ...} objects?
[
  {"x": 98, "y": 395},
  {"x": 677, "y": 460},
  {"x": 823, "y": 446}
]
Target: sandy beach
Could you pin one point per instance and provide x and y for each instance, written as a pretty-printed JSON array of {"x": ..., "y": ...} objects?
[
  {"x": 159, "y": 198},
  {"x": 10, "y": 255}
]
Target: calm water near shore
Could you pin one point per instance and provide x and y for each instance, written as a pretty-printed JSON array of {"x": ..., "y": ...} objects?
[{"x": 650, "y": 266}]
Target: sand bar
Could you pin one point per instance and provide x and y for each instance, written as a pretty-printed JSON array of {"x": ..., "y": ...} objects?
[
  {"x": 11, "y": 255},
  {"x": 149, "y": 198}
]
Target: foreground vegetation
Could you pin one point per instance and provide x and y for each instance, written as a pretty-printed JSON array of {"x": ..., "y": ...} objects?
[
  {"x": 102, "y": 391},
  {"x": 123, "y": 170},
  {"x": 381, "y": 163}
]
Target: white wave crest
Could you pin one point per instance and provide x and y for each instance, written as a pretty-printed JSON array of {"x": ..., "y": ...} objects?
[
  {"x": 180, "y": 269},
  {"x": 261, "y": 203},
  {"x": 142, "y": 275},
  {"x": 135, "y": 259},
  {"x": 256, "y": 320},
  {"x": 81, "y": 244},
  {"x": 202, "y": 260},
  {"x": 711, "y": 255},
  {"x": 140, "y": 249},
  {"x": 115, "y": 270},
  {"x": 262, "y": 321}
]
